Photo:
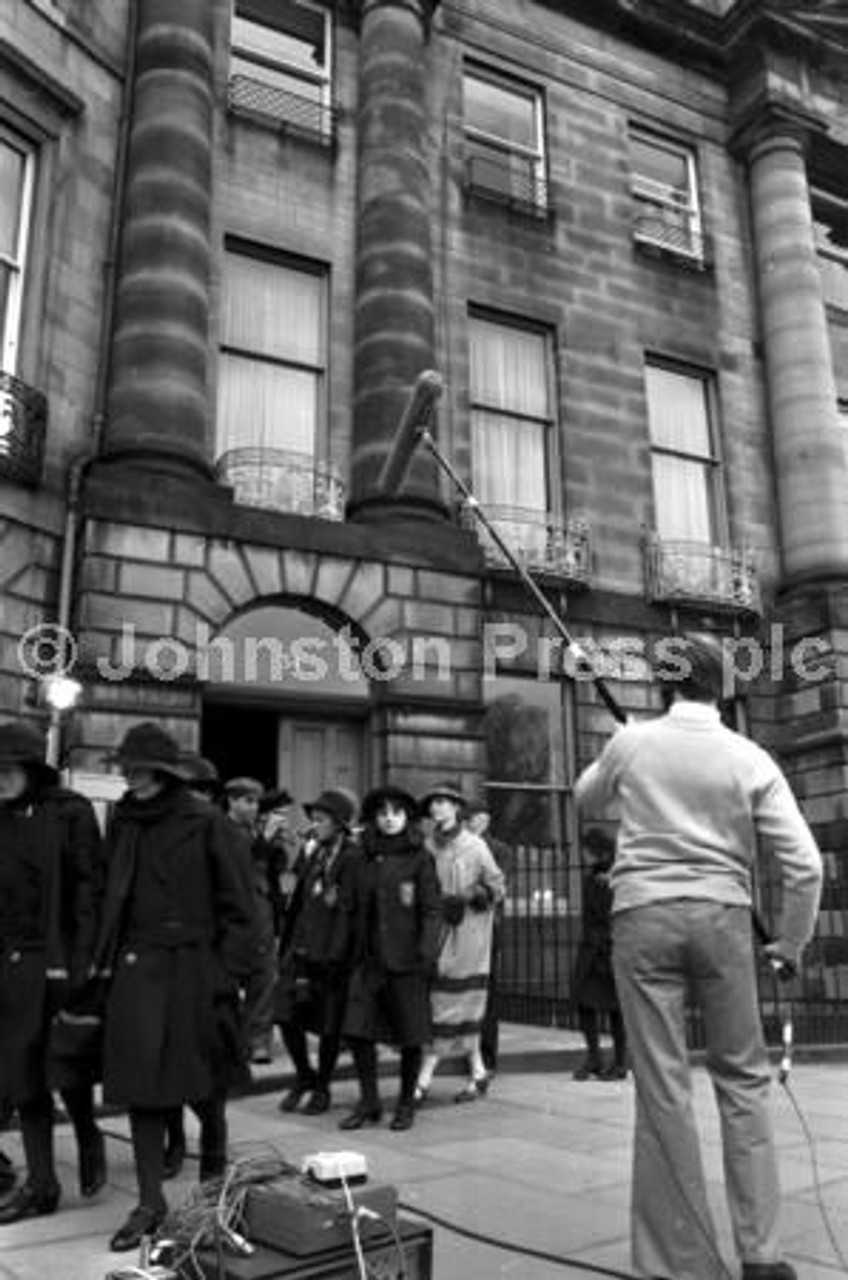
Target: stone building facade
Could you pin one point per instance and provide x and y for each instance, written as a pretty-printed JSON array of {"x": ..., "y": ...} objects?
[{"x": 235, "y": 233}]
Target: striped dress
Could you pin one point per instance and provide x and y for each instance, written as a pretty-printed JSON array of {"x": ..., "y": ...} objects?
[{"x": 458, "y": 992}]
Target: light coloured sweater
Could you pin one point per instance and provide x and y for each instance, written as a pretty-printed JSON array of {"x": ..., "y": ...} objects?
[{"x": 695, "y": 800}]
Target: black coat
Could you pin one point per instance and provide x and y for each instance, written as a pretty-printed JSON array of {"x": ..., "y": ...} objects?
[
  {"x": 178, "y": 928},
  {"x": 312, "y": 974},
  {"x": 393, "y": 912},
  {"x": 49, "y": 857}
]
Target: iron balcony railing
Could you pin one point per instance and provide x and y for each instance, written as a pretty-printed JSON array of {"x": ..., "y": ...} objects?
[
  {"x": 541, "y": 542},
  {"x": 667, "y": 220},
  {"x": 283, "y": 480},
  {"x": 509, "y": 179},
  {"x": 282, "y": 109},
  {"x": 698, "y": 573},
  {"x": 23, "y": 426}
]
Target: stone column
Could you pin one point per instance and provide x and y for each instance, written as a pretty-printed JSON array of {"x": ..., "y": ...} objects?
[
  {"x": 811, "y": 473},
  {"x": 393, "y": 310},
  {"x": 158, "y": 400}
]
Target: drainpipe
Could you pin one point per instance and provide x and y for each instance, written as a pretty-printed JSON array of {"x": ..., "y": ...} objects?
[{"x": 78, "y": 468}]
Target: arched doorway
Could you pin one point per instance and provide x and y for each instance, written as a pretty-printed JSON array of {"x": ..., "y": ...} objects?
[{"x": 285, "y": 701}]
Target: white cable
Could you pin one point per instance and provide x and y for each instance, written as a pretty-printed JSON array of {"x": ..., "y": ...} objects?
[{"x": 354, "y": 1227}]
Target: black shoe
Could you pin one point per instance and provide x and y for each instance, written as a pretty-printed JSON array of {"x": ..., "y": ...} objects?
[
  {"x": 361, "y": 1116},
  {"x": 212, "y": 1168},
  {"x": 476, "y": 1088},
  {"x": 28, "y": 1202},
  {"x": 8, "y": 1177},
  {"x": 291, "y": 1101},
  {"x": 587, "y": 1071},
  {"x": 768, "y": 1271},
  {"x": 91, "y": 1164},
  {"x": 141, "y": 1222},
  {"x": 319, "y": 1102},
  {"x": 404, "y": 1116},
  {"x": 174, "y": 1157}
]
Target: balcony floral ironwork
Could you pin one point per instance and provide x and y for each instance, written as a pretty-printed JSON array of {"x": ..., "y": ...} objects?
[
  {"x": 281, "y": 109},
  {"x": 541, "y": 542},
  {"x": 667, "y": 221},
  {"x": 283, "y": 480},
  {"x": 23, "y": 427},
  {"x": 698, "y": 573}
]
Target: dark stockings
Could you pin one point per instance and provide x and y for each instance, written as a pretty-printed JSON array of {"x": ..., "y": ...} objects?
[
  {"x": 36, "y": 1118},
  {"x": 147, "y": 1127}
]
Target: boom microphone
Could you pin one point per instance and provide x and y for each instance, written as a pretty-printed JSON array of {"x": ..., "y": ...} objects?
[{"x": 416, "y": 417}]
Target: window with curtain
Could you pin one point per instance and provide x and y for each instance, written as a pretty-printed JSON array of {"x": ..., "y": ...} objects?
[
  {"x": 686, "y": 472},
  {"x": 280, "y": 62},
  {"x": 511, "y": 427},
  {"x": 504, "y": 137},
  {"x": 16, "y": 182},
  {"x": 665, "y": 192},
  {"x": 273, "y": 356}
]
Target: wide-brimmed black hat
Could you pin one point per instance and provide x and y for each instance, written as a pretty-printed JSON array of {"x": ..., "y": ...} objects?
[
  {"x": 148, "y": 746},
  {"x": 449, "y": 790},
  {"x": 22, "y": 744},
  {"x": 278, "y": 799},
  {"x": 388, "y": 794},
  {"x": 200, "y": 772},
  {"x": 339, "y": 804}
]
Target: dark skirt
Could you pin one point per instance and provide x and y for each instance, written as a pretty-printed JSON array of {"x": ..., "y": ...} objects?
[
  {"x": 310, "y": 996},
  {"x": 389, "y": 1008}
]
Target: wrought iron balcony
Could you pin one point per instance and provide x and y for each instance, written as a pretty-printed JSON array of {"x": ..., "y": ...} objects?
[
  {"x": 665, "y": 220},
  {"x": 281, "y": 109},
  {"x": 23, "y": 425},
  {"x": 282, "y": 480},
  {"x": 539, "y": 541},
  {"x": 512, "y": 180},
  {"x": 697, "y": 573}
]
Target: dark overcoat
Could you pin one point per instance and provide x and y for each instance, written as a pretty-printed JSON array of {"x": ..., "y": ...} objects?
[
  {"x": 177, "y": 934},
  {"x": 393, "y": 912},
  {"x": 312, "y": 984},
  {"x": 49, "y": 859},
  {"x": 594, "y": 981}
]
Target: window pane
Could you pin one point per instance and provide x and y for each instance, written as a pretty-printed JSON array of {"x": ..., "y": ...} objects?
[
  {"x": 273, "y": 310},
  {"x": 660, "y": 164},
  {"x": 509, "y": 462},
  {"x": 525, "y": 731},
  {"x": 12, "y": 167},
  {"x": 678, "y": 416},
  {"x": 505, "y": 113},
  {"x": 266, "y": 406},
  {"x": 682, "y": 498},
  {"x": 509, "y": 368},
  {"x": 287, "y": 32}
]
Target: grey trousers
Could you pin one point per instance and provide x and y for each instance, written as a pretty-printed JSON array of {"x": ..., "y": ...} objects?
[{"x": 663, "y": 954}]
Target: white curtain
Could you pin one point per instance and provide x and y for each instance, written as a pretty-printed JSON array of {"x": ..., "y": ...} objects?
[
  {"x": 272, "y": 325},
  {"x": 265, "y": 406},
  {"x": 678, "y": 419},
  {"x": 510, "y": 415}
]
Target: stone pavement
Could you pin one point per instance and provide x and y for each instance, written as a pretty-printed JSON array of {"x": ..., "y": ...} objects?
[{"x": 542, "y": 1162}]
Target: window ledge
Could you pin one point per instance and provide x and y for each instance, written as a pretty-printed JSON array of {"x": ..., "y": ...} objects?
[
  {"x": 542, "y": 543},
  {"x": 282, "y": 480}
]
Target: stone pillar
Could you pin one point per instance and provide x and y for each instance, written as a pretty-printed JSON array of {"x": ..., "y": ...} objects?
[
  {"x": 811, "y": 472},
  {"x": 158, "y": 399},
  {"x": 393, "y": 310}
]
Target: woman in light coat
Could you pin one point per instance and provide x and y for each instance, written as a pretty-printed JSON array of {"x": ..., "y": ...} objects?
[{"x": 472, "y": 884}]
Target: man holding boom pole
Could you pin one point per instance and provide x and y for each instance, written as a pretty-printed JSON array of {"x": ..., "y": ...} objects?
[{"x": 694, "y": 801}]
